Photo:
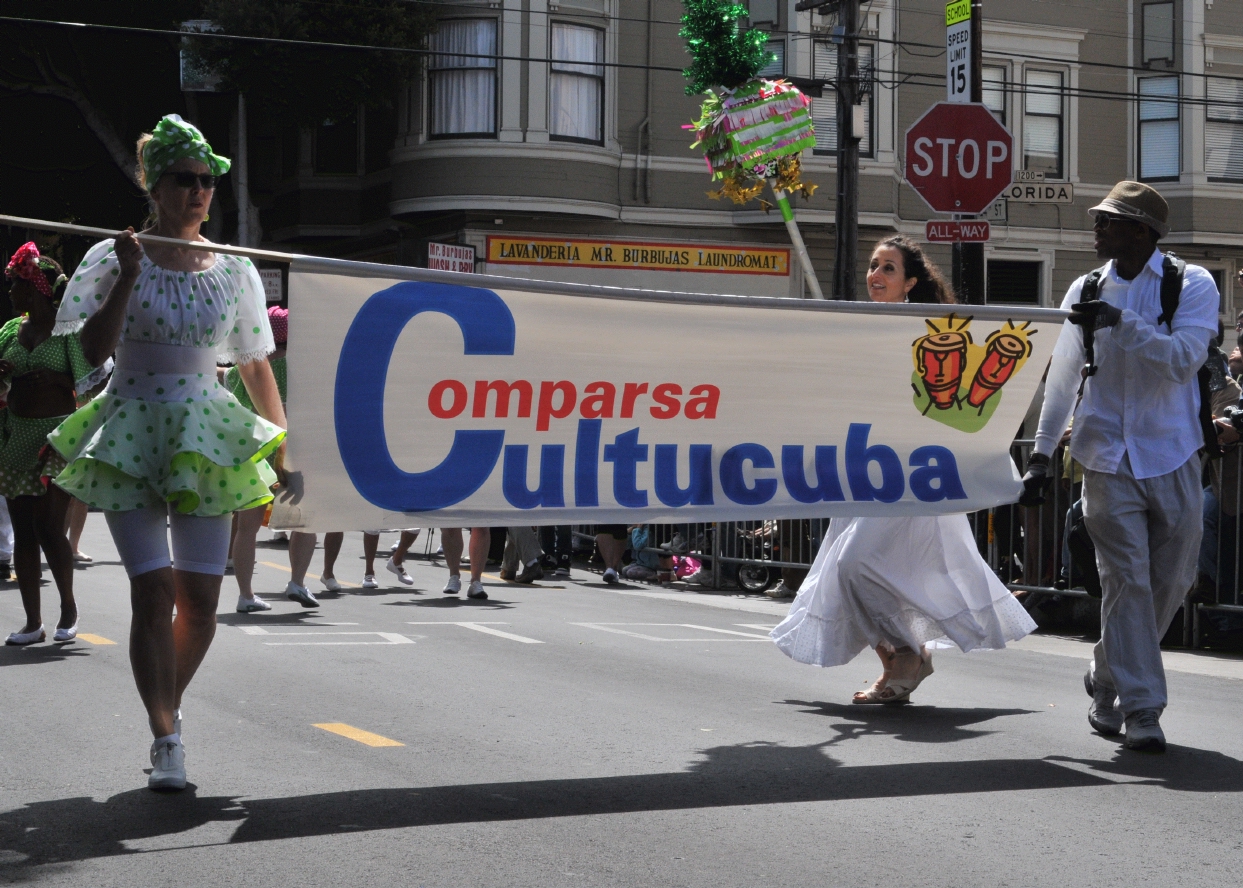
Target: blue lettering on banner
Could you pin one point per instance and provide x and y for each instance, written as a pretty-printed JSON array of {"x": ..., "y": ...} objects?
[
  {"x": 586, "y": 463},
  {"x": 551, "y": 472},
  {"x": 734, "y": 482},
  {"x": 828, "y": 487},
  {"x": 859, "y": 456},
  {"x": 699, "y": 491},
  {"x": 935, "y": 464},
  {"x": 487, "y": 329},
  {"x": 625, "y": 453}
]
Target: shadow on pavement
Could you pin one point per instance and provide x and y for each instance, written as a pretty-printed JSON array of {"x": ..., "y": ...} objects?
[
  {"x": 451, "y": 601},
  {"x": 916, "y": 724},
  {"x": 70, "y": 829},
  {"x": 47, "y": 652}
]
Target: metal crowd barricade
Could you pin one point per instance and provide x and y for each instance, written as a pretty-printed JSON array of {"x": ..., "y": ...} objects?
[
  {"x": 1217, "y": 596},
  {"x": 1028, "y": 548}
]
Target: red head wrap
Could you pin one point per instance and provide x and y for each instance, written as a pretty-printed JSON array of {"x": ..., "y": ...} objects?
[
  {"x": 279, "y": 319},
  {"x": 25, "y": 264}
]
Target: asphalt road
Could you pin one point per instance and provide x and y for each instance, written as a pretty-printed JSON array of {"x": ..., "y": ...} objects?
[{"x": 573, "y": 734}]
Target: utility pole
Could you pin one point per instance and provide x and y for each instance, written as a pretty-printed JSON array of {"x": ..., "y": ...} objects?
[
  {"x": 241, "y": 175},
  {"x": 847, "y": 210},
  {"x": 969, "y": 258}
]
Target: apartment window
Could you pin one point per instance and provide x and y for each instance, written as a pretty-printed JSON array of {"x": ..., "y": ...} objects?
[
  {"x": 993, "y": 91},
  {"x": 824, "y": 110},
  {"x": 776, "y": 67},
  {"x": 1042, "y": 123},
  {"x": 1223, "y": 131},
  {"x": 576, "y": 84},
  {"x": 1158, "y": 128},
  {"x": 1012, "y": 282},
  {"x": 763, "y": 11},
  {"x": 336, "y": 148},
  {"x": 463, "y": 87},
  {"x": 1159, "y": 33}
]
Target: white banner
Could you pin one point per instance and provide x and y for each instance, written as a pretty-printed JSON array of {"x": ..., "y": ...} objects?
[{"x": 422, "y": 402}]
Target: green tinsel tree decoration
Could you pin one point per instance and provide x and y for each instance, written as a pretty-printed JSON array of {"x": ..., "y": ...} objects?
[{"x": 722, "y": 53}]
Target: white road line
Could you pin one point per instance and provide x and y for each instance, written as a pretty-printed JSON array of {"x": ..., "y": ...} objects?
[
  {"x": 761, "y": 626},
  {"x": 727, "y": 632},
  {"x": 612, "y": 627},
  {"x": 484, "y": 627},
  {"x": 259, "y": 630},
  {"x": 389, "y": 637}
]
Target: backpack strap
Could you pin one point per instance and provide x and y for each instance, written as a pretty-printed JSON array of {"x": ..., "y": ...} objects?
[
  {"x": 1091, "y": 290},
  {"x": 1172, "y": 271}
]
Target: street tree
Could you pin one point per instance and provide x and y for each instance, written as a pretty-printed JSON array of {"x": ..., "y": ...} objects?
[{"x": 306, "y": 85}]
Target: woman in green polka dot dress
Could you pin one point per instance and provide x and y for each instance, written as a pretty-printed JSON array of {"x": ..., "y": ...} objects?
[
  {"x": 41, "y": 371},
  {"x": 165, "y": 447}
]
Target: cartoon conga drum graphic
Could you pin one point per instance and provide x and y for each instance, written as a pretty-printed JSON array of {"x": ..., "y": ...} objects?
[
  {"x": 941, "y": 359},
  {"x": 1003, "y": 353}
]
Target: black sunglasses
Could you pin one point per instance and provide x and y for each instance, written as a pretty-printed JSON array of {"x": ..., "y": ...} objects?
[
  {"x": 188, "y": 180},
  {"x": 1103, "y": 220}
]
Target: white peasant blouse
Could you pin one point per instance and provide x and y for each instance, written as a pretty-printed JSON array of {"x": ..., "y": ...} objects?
[{"x": 221, "y": 308}]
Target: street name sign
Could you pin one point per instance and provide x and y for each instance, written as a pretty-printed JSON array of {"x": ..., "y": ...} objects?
[
  {"x": 958, "y": 158},
  {"x": 958, "y": 51},
  {"x": 1042, "y": 192},
  {"x": 944, "y": 231}
]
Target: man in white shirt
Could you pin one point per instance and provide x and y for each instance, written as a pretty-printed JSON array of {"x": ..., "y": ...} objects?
[{"x": 1137, "y": 435}]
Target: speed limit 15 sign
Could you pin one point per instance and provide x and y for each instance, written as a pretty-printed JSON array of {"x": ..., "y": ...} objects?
[{"x": 958, "y": 51}]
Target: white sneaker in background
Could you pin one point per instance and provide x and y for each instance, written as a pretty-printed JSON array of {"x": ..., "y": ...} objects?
[
  {"x": 404, "y": 578},
  {"x": 454, "y": 586}
]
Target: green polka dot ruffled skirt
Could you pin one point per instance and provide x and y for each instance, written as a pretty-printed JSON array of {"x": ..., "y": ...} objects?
[
  {"x": 25, "y": 457},
  {"x": 202, "y": 457}
]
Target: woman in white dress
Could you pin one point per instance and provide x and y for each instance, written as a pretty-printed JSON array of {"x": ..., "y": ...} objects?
[
  {"x": 897, "y": 584},
  {"x": 166, "y": 448}
]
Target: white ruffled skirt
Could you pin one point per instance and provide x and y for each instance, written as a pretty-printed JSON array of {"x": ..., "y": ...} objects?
[{"x": 901, "y": 581}]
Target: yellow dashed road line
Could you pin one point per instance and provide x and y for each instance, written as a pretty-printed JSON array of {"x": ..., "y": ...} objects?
[
  {"x": 312, "y": 576},
  {"x": 95, "y": 639},
  {"x": 358, "y": 734}
]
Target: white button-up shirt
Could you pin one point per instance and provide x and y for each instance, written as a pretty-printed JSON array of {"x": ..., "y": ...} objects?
[{"x": 1143, "y": 401}]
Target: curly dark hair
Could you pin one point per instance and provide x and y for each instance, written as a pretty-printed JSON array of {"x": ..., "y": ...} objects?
[{"x": 930, "y": 284}]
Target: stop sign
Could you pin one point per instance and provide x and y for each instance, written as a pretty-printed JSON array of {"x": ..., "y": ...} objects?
[{"x": 958, "y": 158}]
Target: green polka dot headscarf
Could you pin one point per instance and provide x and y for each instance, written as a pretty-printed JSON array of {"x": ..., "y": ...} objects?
[{"x": 171, "y": 140}]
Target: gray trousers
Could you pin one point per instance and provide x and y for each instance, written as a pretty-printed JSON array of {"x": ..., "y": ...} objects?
[
  {"x": 521, "y": 548},
  {"x": 1147, "y": 536}
]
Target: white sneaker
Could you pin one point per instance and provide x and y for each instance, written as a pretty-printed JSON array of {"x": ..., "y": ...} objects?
[
  {"x": 250, "y": 605},
  {"x": 454, "y": 586},
  {"x": 1143, "y": 731},
  {"x": 330, "y": 584},
  {"x": 64, "y": 635},
  {"x": 700, "y": 577},
  {"x": 610, "y": 576},
  {"x": 475, "y": 590},
  {"x": 300, "y": 594},
  {"x": 168, "y": 766},
  {"x": 404, "y": 578},
  {"x": 369, "y": 582}
]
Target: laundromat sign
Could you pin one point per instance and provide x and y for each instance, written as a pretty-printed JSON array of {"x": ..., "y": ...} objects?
[{"x": 632, "y": 255}]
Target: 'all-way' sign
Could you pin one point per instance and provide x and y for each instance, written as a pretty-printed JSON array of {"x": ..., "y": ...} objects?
[{"x": 942, "y": 231}]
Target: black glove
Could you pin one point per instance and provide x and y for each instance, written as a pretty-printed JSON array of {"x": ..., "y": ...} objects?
[
  {"x": 1094, "y": 315},
  {"x": 1036, "y": 481}
]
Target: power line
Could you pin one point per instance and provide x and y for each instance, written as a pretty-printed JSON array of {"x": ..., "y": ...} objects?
[
  {"x": 285, "y": 41},
  {"x": 907, "y": 76}
]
